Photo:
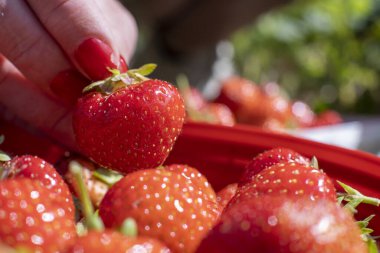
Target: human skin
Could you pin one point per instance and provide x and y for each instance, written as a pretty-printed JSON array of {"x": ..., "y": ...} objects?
[{"x": 49, "y": 50}]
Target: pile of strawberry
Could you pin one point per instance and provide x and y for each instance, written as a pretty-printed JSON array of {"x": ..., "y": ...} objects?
[
  {"x": 125, "y": 127},
  {"x": 268, "y": 107}
]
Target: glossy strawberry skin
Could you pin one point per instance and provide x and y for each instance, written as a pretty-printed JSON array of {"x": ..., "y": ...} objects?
[
  {"x": 217, "y": 113},
  {"x": 238, "y": 93},
  {"x": 254, "y": 104},
  {"x": 224, "y": 196},
  {"x": 194, "y": 99},
  {"x": 33, "y": 217},
  {"x": 165, "y": 205},
  {"x": 35, "y": 168},
  {"x": 268, "y": 158},
  {"x": 202, "y": 186},
  {"x": 110, "y": 241},
  {"x": 132, "y": 128},
  {"x": 288, "y": 179},
  {"x": 271, "y": 224}
]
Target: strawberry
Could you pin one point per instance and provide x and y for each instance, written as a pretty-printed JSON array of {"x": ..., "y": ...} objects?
[
  {"x": 202, "y": 186},
  {"x": 165, "y": 205},
  {"x": 328, "y": 117},
  {"x": 216, "y": 113},
  {"x": 193, "y": 98},
  {"x": 226, "y": 194},
  {"x": 288, "y": 179},
  {"x": 238, "y": 93},
  {"x": 94, "y": 238},
  {"x": 262, "y": 106},
  {"x": 110, "y": 241},
  {"x": 269, "y": 158},
  {"x": 33, "y": 217},
  {"x": 35, "y": 168},
  {"x": 198, "y": 109},
  {"x": 130, "y": 122},
  {"x": 270, "y": 224}
]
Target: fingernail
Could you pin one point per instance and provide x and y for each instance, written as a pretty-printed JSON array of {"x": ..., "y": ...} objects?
[
  {"x": 95, "y": 57},
  {"x": 68, "y": 86},
  {"x": 123, "y": 67}
]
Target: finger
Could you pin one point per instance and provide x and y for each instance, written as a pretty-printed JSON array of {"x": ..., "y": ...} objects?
[
  {"x": 31, "y": 49},
  {"x": 122, "y": 25},
  {"x": 28, "y": 103},
  {"x": 88, "y": 38}
]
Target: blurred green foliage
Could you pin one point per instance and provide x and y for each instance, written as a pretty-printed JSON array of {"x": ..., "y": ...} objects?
[{"x": 325, "y": 52}]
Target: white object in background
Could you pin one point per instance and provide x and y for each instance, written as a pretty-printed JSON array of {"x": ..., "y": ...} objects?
[{"x": 347, "y": 135}]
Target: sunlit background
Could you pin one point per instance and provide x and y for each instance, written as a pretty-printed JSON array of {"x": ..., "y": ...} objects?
[{"x": 326, "y": 52}]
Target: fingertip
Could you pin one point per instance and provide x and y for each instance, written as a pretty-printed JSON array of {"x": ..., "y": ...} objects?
[
  {"x": 94, "y": 57},
  {"x": 123, "y": 67}
]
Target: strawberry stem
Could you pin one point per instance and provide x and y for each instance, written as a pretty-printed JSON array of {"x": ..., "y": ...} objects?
[
  {"x": 2, "y": 173},
  {"x": 92, "y": 221},
  {"x": 129, "y": 227}
]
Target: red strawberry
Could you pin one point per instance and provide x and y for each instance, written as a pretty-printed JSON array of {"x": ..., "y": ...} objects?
[
  {"x": 238, "y": 93},
  {"x": 166, "y": 206},
  {"x": 34, "y": 218},
  {"x": 193, "y": 98},
  {"x": 226, "y": 194},
  {"x": 326, "y": 118},
  {"x": 202, "y": 186},
  {"x": 35, "y": 168},
  {"x": 255, "y": 105},
  {"x": 290, "y": 179},
  {"x": 110, "y": 241},
  {"x": 269, "y": 158},
  {"x": 198, "y": 109},
  {"x": 132, "y": 124},
  {"x": 271, "y": 224}
]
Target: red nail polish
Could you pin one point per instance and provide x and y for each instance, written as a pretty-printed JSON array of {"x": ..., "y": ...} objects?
[
  {"x": 95, "y": 57},
  {"x": 68, "y": 86},
  {"x": 123, "y": 67}
]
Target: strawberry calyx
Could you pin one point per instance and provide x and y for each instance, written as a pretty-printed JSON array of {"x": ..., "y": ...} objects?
[
  {"x": 350, "y": 199},
  {"x": 129, "y": 227},
  {"x": 120, "y": 80},
  {"x": 106, "y": 176},
  {"x": 366, "y": 234},
  {"x": 353, "y": 198}
]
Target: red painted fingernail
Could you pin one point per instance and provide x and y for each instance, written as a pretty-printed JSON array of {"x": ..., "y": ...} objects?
[
  {"x": 68, "y": 86},
  {"x": 123, "y": 67},
  {"x": 95, "y": 57}
]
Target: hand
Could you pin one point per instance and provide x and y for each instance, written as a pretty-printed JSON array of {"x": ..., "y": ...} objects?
[{"x": 49, "y": 50}]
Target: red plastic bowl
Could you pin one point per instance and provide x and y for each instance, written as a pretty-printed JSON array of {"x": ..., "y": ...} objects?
[{"x": 221, "y": 153}]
